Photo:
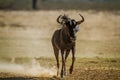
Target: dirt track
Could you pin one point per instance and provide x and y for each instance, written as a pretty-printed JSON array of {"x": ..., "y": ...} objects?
[
  {"x": 98, "y": 74},
  {"x": 78, "y": 74}
]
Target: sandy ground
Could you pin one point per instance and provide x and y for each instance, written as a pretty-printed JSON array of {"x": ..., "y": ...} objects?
[
  {"x": 79, "y": 74},
  {"x": 85, "y": 69}
]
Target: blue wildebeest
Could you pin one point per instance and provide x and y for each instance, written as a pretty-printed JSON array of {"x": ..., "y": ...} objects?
[{"x": 64, "y": 40}]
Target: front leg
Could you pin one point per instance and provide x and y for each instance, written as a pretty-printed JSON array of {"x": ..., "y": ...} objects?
[
  {"x": 66, "y": 55},
  {"x": 63, "y": 70},
  {"x": 73, "y": 60}
]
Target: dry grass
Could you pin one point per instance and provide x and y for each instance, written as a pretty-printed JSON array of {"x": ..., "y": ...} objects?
[{"x": 29, "y": 33}]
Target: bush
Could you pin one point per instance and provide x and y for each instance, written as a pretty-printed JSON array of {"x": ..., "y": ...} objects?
[{"x": 6, "y": 3}]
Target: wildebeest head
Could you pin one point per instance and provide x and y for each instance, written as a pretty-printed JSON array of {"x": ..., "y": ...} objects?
[{"x": 71, "y": 24}]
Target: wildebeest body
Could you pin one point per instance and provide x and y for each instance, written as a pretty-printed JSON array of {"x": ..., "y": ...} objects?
[
  {"x": 61, "y": 40},
  {"x": 64, "y": 40}
]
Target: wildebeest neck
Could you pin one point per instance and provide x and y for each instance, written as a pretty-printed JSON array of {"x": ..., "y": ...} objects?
[{"x": 67, "y": 38}]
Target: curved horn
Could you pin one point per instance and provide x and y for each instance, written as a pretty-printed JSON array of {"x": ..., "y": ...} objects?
[
  {"x": 58, "y": 19},
  {"x": 79, "y": 22}
]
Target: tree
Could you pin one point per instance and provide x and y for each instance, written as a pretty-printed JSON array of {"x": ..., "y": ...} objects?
[
  {"x": 6, "y": 4},
  {"x": 34, "y": 4}
]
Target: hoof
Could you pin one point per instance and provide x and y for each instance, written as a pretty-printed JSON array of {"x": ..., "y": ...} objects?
[
  {"x": 63, "y": 76},
  {"x": 55, "y": 78},
  {"x": 65, "y": 73},
  {"x": 70, "y": 70}
]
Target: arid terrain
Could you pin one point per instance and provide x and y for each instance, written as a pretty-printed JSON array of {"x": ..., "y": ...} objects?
[
  {"x": 85, "y": 69},
  {"x": 26, "y": 52}
]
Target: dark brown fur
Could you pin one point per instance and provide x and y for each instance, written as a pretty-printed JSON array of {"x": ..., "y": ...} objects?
[{"x": 63, "y": 42}]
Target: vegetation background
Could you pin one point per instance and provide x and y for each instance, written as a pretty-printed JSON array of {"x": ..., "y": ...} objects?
[{"x": 61, "y": 4}]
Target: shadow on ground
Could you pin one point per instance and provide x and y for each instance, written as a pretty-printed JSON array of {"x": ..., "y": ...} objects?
[{"x": 22, "y": 78}]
